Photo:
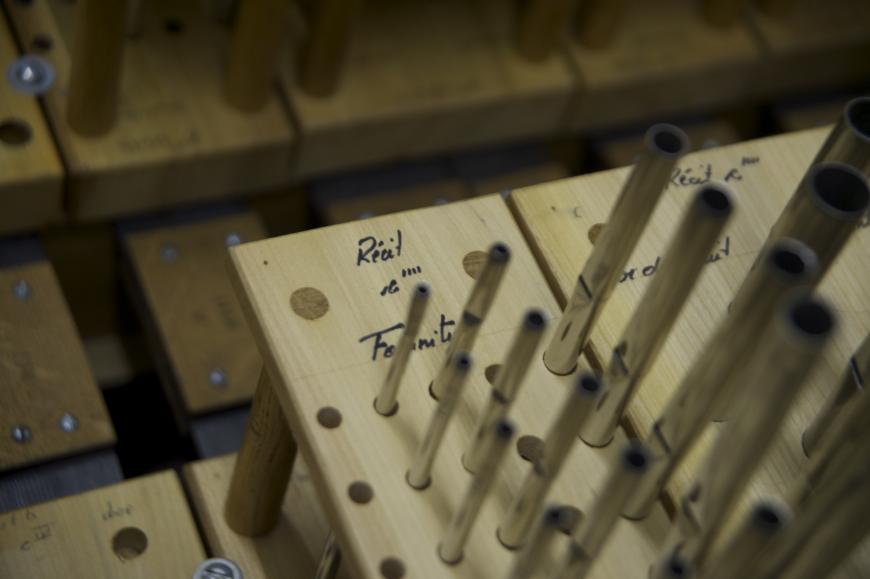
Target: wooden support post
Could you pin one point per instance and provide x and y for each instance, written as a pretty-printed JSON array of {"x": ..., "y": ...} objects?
[
  {"x": 597, "y": 22},
  {"x": 541, "y": 25},
  {"x": 95, "y": 74},
  {"x": 263, "y": 466},
  {"x": 254, "y": 53},
  {"x": 330, "y": 27},
  {"x": 722, "y": 13}
]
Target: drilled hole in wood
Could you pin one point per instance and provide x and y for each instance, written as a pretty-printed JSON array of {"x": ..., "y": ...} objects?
[
  {"x": 491, "y": 372},
  {"x": 392, "y": 568},
  {"x": 329, "y": 417},
  {"x": 129, "y": 543},
  {"x": 473, "y": 262},
  {"x": 14, "y": 132},
  {"x": 41, "y": 43},
  {"x": 569, "y": 519},
  {"x": 309, "y": 303},
  {"x": 360, "y": 492},
  {"x": 530, "y": 447},
  {"x": 594, "y": 232}
]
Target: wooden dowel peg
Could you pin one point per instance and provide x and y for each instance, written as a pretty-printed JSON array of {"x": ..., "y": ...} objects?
[
  {"x": 786, "y": 264},
  {"x": 527, "y": 504},
  {"x": 95, "y": 72},
  {"x": 851, "y": 384},
  {"x": 663, "y": 145},
  {"x": 385, "y": 403},
  {"x": 737, "y": 557},
  {"x": 722, "y": 13},
  {"x": 262, "y": 468},
  {"x": 530, "y": 558},
  {"x": 479, "y": 302},
  {"x": 661, "y": 304},
  {"x": 825, "y": 211},
  {"x": 330, "y": 27},
  {"x": 419, "y": 474},
  {"x": 450, "y": 548},
  {"x": 849, "y": 141},
  {"x": 785, "y": 355},
  {"x": 254, "y": 51},
  {"x": 507, "y": 382},
  {"x": 598, "y": 22},
  {"x": 542, "y": 26}
]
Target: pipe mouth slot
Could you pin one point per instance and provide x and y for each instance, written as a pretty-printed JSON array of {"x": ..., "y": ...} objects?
[
  {"x": 535, "y": 319},
  {"x": 462, "y": 361},
  {"x": 788, "y": 261},
  {"x": 500, "y": 252},
  {"x": 767, "y": 517},
  {"x": 811, "y": 317},
  {"x": 589, "y": 384},
  {"x": 504, "y": 429},
  {"x": 716, "y": 200},
  {"x": 667, "y": 140},
  {"x": 422, "y": 289},
  {"x": 791, "y": 259},
  {"x": 841, "y": 189},
  {"x": 635, "y": 457},
  {"x": 858, "y": 117}
]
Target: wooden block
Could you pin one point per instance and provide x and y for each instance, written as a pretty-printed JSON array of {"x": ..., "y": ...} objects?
[
  {"x": 219, "y": 433},
  {"x": 292, "y": 548},
  {"x": 342, "y": 210},
  {"x": 623, "y": 150},
  {"x": 139, "y": 528},
  {"x": 59, "y": 478},
  {"x": 558, "y": 217},
  {"x": 505, "y": 168},
  {"x": 664, "y": 60},
  {"x": 197, "y": 323},
  {"x": 176, "y": 140},
  {"x": 426, "y": 76},
  {"x": 817, "y": 44},
  {"x": 325, "y": 357},
  {"x": 31, "y": 175},
  {"x": 809, "y": 115},
  {"x": 45, "y": 382}
]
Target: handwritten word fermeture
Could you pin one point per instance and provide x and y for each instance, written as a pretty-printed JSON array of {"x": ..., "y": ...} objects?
[{"x": 382, "y": 347}]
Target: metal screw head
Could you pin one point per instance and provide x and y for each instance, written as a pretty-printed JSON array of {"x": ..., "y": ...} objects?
[
  {"x": 168, "y": 253},
  {"x": 21, "y": 289},
  {"x": 232, "y": 239},
  {"x": 218, "y": 569},
  {"x": 68, "y": 422},
  {"x": 217, "y": 377},
  {"x": 30, "y": 74},
  {"x": 21, "y": 433}
]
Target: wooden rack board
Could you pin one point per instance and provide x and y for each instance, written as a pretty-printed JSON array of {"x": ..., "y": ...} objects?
[
  {"x": 31, "y": 175},
  {"x": 293, "y": 546},
  {"x": 44, "y": 375},
  {"x": 664, "y": 60},
  {"x": 139, "y": 528},
  {"x": 816, "y": 44},
  {"x": 557, "y": 218},
  {"x": 176, "y": 139},
  {"x": 426, "y": 76},
  {"x": 320, "y": 356},
  {"x": 180, "y": 270}
]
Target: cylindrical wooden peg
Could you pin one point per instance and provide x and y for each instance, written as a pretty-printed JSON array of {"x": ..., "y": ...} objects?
[
  {"x": 330, "y": 28},
  {"x": 254, "y": 52},
  {"x": 542, "y": 25},
  {"x": 262, "y": 468},
  {"x": 95, "y": 73}
]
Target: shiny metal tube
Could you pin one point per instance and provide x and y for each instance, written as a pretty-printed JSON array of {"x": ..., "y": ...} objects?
[
  {"x": 646, "y": 331},
  {"x": 330, "y": 559},
  {"x": 787, "y": 264},
  {"x": 419, "y": 474},
  {"x": 506, "y": 384},
  {"x": 596, "y": 528},
  {"x": 786, "y": 354},
  {"x": 528, "y": 501},
  {"x": 737, "y": 558},
  {"x": 478, "y": 305},
  {"x": 825, "y": 210},
  {"x": 529, "y": 560},
  {"x": 664, "y": 144},
  {"x": 849, "y": 141},
  {"x": 385, "y": 403},
  {"x": 498, "y": 440},
  {"x": 851, "y": 384}
]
